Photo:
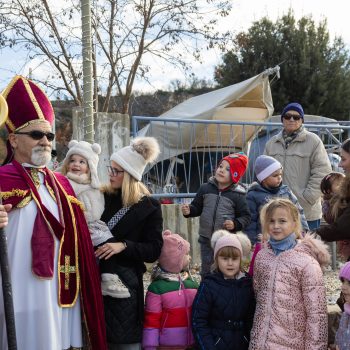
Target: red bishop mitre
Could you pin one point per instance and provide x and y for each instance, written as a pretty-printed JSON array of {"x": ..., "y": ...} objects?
[{"x": 27, "y": 104}]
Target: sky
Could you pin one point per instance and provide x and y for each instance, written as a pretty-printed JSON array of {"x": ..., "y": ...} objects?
[{"x": 244, "y": 12}]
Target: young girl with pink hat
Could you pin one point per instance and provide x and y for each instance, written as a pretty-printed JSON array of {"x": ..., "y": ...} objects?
[
  {"x": 169, "y": 298},
  {"x": 223, "y": 309}
]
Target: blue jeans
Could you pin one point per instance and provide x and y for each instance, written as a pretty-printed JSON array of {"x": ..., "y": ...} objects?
[{"x": 314, "y": 224}]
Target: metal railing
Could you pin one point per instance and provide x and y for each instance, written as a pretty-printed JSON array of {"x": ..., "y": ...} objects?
[{"x": 191, "y": 149}]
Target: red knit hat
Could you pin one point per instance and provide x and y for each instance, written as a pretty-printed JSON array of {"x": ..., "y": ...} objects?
[
  {"x": 174, "y": 250},
  {"x": 27, "y": 104},
  {"x": 238, "y": 165}
]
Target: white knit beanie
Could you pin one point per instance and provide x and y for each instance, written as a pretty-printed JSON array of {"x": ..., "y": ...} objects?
[
  {"x": 90, "y": 152},
  {"x": 266, "y": 166},
  {"x": 134, "y": 158}
]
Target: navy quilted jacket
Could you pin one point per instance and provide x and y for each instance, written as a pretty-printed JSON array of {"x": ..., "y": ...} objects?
[{"x": 222, "y": 313}]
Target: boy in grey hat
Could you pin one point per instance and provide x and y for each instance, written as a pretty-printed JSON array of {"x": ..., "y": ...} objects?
[{"x": 268, "y": 172}]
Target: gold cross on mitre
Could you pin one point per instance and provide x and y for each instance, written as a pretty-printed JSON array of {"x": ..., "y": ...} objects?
[{"x": 67, "y": 269}]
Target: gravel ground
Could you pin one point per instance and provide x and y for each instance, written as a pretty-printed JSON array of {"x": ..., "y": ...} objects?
[
  {"x": 333, "y": 285},
  {"x": 331, "y": 279}
]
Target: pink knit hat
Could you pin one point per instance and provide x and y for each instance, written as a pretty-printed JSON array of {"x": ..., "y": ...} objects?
[
  {"x": 239, "y": 240},
  {"x": 345, "y": 271},
  {"x": 174, "y": 249},
  {"x": 227, "y": 241}
]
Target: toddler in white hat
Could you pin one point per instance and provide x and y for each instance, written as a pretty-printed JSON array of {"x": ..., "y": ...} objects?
[{"x": 80, "y": 167}]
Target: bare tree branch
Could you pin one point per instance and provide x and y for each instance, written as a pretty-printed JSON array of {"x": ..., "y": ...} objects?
[{"x": 126, "y": 32}]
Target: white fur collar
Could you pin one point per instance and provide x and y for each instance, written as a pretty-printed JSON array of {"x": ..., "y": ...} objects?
[{"x": 80, "y": 179}]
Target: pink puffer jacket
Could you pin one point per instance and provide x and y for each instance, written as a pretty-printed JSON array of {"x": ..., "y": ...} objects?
[{"x": 291, "y": 308}]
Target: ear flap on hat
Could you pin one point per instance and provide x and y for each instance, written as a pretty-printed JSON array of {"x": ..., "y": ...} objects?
[{"x": 96, "y": 148}]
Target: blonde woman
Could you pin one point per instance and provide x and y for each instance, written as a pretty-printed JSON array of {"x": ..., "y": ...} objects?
[{"x": 135, "y": 220}]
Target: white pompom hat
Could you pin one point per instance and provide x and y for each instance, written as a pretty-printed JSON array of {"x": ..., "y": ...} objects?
[
  {"x": 134, "y": 158},
  {"x": 90, "y": 152}
]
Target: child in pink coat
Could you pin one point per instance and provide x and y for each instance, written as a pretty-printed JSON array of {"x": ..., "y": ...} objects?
[
  {"x": 168, "y": 306},
  {"x": 291, "y": 307}
]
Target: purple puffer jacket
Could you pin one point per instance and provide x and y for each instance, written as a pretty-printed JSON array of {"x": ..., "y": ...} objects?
[{"x": 291, "y": 308}]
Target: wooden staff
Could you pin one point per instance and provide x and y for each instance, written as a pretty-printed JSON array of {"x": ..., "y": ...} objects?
[{"x": 7, "y": 293}]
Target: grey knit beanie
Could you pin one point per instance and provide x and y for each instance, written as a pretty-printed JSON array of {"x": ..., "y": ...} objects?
[{"x": 265, "y": 166}]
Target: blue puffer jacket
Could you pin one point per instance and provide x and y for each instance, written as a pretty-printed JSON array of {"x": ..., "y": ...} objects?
[
  {"x": 258, "y": 196},
  {"x": 222, "y": 313}
]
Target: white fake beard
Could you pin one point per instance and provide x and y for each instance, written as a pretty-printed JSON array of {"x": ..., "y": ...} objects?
[{"x": 41, "y": 155}]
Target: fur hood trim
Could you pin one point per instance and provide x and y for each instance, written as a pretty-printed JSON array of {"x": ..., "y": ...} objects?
[{"x": 316, "y": 248}]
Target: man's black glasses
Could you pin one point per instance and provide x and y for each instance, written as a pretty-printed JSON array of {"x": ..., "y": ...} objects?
[
  {"x": 37, "y": 135},
  {"x": 292, "y": 116},
  {"x": 113, "y": 171}
]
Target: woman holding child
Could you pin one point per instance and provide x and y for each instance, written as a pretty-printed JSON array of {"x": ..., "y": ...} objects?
[{"x": 135, "y": 221}]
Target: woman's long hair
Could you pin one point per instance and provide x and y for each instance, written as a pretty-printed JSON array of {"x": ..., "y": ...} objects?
[
  {"x": 132, "y": 190},
  {"x": 342, "y": 199}
]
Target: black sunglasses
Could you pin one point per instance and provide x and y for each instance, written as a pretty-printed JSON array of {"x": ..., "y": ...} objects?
[
  {"x": 113, "y": 171},
  {"x": 37, "y": 135},
  {"x": 291, "y": 116}
]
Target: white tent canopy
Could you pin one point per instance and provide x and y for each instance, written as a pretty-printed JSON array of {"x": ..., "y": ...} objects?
[{"x": 247, "y": 101}]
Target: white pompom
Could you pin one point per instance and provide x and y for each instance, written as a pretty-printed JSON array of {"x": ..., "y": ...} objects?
[
  {"x": 245, "y": 243},
  {"x": 216, "y": 235},
  {"x": 148, "y": 147}
]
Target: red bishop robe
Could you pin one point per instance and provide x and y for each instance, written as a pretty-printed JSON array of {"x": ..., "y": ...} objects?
[{"x": 77, "y": 268}]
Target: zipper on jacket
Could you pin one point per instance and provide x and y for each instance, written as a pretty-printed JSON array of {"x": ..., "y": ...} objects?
[
  {"x": 272, "y": 281},
  {"x": 217, "y": 341},
  {"x": 215, "y": 209}
]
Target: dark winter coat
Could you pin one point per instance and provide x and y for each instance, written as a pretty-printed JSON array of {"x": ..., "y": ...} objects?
[
  {"x": 339, "y": 229},
  {"x": 141, "y": 229},
  {"x": 222, "y": 313},
  {"x": 215, "y": 206},
  {"x": 257, "y": 197}
]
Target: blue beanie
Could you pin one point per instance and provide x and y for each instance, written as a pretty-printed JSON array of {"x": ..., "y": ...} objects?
[{"x": 294, "y": 106}]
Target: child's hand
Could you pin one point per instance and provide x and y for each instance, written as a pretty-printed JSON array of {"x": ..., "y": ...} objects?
[
  {"x": 229, "y": 225},
  {"x": 260, "y": 237},
  {"x": 185, "y": 209}
]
